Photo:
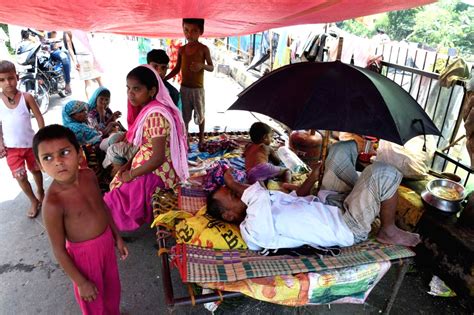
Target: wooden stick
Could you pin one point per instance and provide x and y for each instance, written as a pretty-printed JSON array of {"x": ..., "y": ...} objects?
[
  {"x": 324, "y": 149},
  {"x": 453, "y": 143},
  {"x": 270, "y": 36},
  {"x": 339, "y": 48},
  {"x": 324, "y": 154}
]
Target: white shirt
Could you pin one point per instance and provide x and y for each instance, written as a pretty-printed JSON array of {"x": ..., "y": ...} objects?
[
  {"x": 279, "y": 220},
  {"x": 80, "y": 40},
  {"x": 16, "y": 125}
]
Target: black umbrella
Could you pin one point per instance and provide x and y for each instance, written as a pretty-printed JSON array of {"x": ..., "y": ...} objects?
[{"x": 339, "y": 97}]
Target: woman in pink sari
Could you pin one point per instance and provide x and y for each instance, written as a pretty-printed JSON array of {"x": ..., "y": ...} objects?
[{"x": 161, "y": 161}]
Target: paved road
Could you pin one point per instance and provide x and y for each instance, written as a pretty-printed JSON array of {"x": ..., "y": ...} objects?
[
  {"x": 31, "y": 282},
  {"x": 30, "y": 279}
]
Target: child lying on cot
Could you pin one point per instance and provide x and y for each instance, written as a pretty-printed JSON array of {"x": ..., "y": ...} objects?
[
  {"x": 259, "y": 154},
  {"x": 342, "y": 216}
]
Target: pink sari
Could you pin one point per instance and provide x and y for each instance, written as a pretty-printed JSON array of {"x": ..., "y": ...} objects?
[
  {"x": 130, "y": 204},
  {"x": 132, "y": 113}
]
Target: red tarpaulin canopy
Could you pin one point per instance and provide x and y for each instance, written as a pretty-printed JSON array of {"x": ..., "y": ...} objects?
[{"x": 162, "y": 18}]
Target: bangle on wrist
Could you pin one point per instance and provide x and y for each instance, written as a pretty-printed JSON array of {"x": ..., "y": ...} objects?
[{"x": 131, "y": 175}]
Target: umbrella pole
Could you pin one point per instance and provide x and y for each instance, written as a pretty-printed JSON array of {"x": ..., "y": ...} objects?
[
  {"x": 270, "y": 36},
  {"x": 324, "y": 149},
  {"x": 339, "y": 48},
  {"x": 324, "y": 154}
]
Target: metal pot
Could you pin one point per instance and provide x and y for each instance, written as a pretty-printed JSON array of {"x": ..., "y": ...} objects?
[
  {"x": 446, "y": 205},
  {"x": 441, "y": 204}
]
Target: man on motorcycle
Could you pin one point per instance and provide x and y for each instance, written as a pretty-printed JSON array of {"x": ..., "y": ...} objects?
[
  {"x": 61, "y": 55},
  {"x": 42, "y": 73}
]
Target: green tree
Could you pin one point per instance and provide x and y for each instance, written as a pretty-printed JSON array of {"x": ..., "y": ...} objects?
[
  {"x": 466, "y": 40},
  {"x": 7, "y": 43},
  {"x": 355, "y": 27},
  {"x": 445, "y": 24},
  {"x": 398, "y": 24}
]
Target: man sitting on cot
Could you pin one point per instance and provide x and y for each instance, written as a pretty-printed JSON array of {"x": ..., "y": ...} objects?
[{"x": 341, "y": 216}]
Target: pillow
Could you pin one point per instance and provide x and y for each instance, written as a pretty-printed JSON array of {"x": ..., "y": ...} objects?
[
  {"x": 191, "y": 199},
  {"x": 206, "y": 231},
  {"x": 410, "y": 159}
]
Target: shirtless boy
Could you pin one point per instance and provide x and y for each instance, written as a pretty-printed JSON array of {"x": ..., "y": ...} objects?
[
  {"x": 79, "y": 226},
  {"x": 259, "y": 154},
  {"x": 193, "y": 59}
]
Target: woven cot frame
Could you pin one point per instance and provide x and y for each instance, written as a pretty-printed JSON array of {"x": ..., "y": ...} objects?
[{"x": 168, "y": 201}]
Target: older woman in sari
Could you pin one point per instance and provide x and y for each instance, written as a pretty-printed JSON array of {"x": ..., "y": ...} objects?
[
  {"x": 75, "y": 117},
  {"x": 161, "y": 160}
]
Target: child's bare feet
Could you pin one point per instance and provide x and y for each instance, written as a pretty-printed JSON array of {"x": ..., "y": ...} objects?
[
  {"x": 40, "y": 193},
  {"x": 34, "y": 209},
  {"x": 394, "y": 235}
]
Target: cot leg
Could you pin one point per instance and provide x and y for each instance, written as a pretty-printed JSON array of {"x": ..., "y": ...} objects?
[
  {"x": 166, "y": 274},
  {"x": 402, "y": 269}
]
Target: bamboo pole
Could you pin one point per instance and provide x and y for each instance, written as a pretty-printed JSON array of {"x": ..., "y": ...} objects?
[
  {"x": 324, "y": 149},
  {"x": 453, "y": 143},
  {"x": 339, "y": 48},
  {"x": 238, "y": 46},
  {"x": 270, "y": 36}
]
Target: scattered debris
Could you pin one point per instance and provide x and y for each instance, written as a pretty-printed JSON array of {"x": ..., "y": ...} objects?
[{"x": 439, "y": 288}]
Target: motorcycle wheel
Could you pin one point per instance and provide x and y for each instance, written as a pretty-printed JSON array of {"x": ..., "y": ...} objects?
[{"x": 41, "y": 97}]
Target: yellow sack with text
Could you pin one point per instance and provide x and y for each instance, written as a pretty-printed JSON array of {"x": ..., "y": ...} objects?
[{"x": 206, "y": 231}]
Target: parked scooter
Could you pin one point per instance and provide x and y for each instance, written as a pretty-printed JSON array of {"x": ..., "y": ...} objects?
[{"x": 40, "y": 75}]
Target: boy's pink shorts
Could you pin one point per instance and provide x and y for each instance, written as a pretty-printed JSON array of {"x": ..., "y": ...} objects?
[
  {"x": 16, "y": 158},
  {"x": 96, "y": 261}
]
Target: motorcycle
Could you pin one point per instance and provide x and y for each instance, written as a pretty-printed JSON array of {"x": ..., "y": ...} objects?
[{"x": 39, "y": 74}]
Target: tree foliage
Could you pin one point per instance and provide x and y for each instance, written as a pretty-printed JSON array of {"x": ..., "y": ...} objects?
[
  {"x": 445, "y": 24},
  {"x": 355, "y": 27},
  {"x": 4, "y": 27},
  {"x": 400, "y": 23}
]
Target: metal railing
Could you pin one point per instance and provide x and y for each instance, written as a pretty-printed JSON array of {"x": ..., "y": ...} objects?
[
  {"x": 443, "y": 162},
  {"x": 415, "y": 71}
]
